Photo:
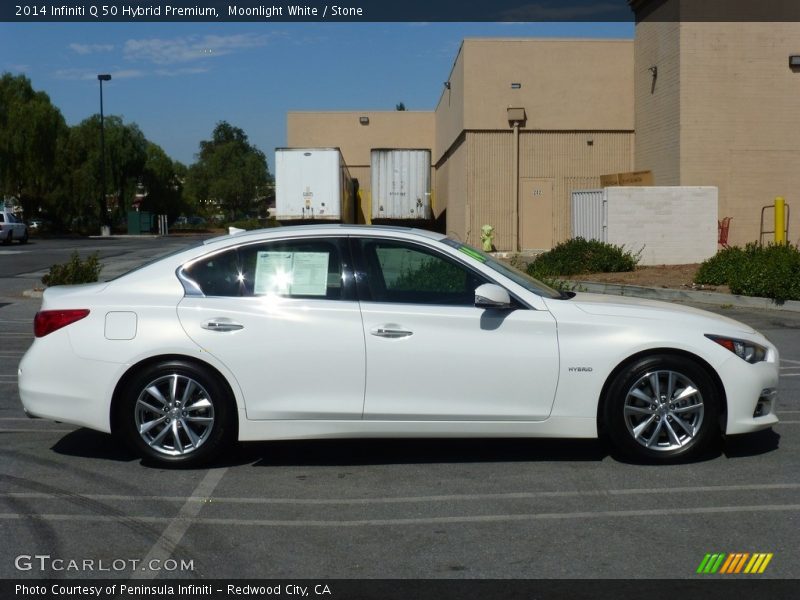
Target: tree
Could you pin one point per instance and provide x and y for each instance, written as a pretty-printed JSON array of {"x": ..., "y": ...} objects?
[
  {"x": 31, "y": 132},
  {"x": 163, "y": 179},
  {"x": 400, "y": 106},
  {"x": 228, "y": 171},
  {"x": 126, "y": 154}
]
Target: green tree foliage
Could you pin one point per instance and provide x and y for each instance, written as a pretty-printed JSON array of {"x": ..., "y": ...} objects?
[
  {"x": 228, "y": 171},
  {"x": 32, "y": 131},
  {"x": 163, "y": 179},
  {"x": 126, "y": 155}
]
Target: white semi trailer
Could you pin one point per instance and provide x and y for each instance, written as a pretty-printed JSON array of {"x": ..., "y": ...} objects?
[{"x": 313, "y": 184}]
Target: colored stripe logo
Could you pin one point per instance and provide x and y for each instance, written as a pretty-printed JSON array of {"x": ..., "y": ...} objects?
[{"x": 732, "y": 564}]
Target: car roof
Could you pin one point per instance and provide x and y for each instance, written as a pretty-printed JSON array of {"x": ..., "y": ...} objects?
[{"x": 332, "y": 229}]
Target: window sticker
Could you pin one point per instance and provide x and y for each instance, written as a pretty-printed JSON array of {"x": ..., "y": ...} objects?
[
  {"x": 291, "y": 273},
  {"x": 474, "y": 254}
]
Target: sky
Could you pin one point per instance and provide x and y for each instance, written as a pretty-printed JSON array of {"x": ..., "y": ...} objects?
[{"x": 177, "y": 80}]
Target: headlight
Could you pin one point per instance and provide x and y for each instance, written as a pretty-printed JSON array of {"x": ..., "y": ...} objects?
[{"x": 749, "y": 351}]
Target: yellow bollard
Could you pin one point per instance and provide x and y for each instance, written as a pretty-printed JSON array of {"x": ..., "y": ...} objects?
[{"x": 780, "y": 224}]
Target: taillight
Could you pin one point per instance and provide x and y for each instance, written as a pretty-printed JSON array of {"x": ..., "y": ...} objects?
[{"x": 48, "y": 321}]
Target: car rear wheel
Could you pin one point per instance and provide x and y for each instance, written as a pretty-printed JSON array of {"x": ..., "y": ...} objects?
[
  {"x": 176, "y": 414},
  {"x": 662, "y": 409}
]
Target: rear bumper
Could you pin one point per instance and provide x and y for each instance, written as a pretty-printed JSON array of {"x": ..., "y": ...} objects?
[{"x": 80, "y": 395}]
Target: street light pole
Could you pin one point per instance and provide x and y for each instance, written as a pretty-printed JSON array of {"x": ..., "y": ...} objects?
[{"x": 104, "y": 221}]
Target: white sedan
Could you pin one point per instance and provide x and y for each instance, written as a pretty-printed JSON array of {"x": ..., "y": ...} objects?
[{"x": 347, "y": 331}]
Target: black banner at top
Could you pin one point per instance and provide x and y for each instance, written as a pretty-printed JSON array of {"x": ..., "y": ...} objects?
[{"x": 396, "y": 10}]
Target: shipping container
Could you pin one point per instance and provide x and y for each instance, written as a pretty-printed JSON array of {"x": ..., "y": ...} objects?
[
  {"x": 401, "y": 184},
  {"x": 313, "y": 184}
]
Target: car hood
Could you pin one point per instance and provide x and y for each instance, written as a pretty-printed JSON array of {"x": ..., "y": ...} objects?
[{"x": 640, "y": 308}]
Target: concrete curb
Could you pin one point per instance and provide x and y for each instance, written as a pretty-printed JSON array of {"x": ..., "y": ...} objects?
[
  {"x": 669, "y": 295},
  {"x": 122, "y": 236}
]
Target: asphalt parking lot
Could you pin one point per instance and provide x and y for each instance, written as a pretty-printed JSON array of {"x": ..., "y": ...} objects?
[{"x": 379, "y": 508}]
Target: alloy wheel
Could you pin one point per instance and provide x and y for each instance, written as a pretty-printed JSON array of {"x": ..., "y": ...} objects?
[
  {"x": 664, "y": 410},
  {"x": 174, "y": 415}
]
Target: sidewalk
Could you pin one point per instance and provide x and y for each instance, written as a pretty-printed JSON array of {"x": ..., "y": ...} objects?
[{"x": 671, "y": 295}]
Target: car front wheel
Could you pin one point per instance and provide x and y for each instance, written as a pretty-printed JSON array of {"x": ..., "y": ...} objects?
[
  {"x": 662, "y": 409},
  {"x": 176, "y": 414}
]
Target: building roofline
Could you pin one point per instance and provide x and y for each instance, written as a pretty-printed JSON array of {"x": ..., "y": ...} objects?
[
  {"x": 376, "y": 111},
  {"x": 546, "y": 39}
]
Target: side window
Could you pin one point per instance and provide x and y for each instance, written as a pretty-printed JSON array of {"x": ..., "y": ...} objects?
[
  {"x": 405, "y": 273},
  {"x": 218, "y": 274},
  {"x": 295, "y": 269}
]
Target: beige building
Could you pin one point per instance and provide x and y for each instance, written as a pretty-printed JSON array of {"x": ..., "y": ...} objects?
[
  {"x": 718, "y": 104},
  {"x": 521, "y": 123}
]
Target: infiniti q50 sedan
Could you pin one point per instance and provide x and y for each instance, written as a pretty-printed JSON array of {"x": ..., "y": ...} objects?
[{"x": 353, "y": 331}]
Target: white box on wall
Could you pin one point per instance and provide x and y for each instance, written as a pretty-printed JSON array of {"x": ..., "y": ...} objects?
[{"x": 670, "y": 225}]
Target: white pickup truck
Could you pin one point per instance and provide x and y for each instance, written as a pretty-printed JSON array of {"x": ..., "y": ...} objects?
[{"x": 11, "y": 228}]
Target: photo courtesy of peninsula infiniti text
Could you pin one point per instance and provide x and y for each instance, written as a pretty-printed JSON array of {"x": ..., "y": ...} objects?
[{"x": 333, "y": 331}]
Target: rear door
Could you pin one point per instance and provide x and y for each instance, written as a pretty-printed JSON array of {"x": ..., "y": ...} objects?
[{"x": 282, "y": 316}]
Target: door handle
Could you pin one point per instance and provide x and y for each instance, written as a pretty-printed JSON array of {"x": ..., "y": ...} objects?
[
  {"x": 390, "y": 331},
  {"x": 222, "y": 324}
]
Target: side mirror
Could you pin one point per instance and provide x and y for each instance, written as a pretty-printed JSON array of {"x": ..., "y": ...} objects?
[{"x": 490, "y": 295}]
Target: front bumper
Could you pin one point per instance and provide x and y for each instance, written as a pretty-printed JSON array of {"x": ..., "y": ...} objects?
[{"x": 751, "y": 392}]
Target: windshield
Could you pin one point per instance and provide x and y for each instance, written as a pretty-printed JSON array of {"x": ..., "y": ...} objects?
[{"x": 515, "y": 275}]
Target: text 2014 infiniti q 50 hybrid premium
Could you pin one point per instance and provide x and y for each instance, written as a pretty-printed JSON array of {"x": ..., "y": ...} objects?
[{"x": 347, "y": 331}]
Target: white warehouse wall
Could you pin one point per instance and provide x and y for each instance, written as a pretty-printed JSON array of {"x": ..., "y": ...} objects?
[{"x": 671, "y": 225}]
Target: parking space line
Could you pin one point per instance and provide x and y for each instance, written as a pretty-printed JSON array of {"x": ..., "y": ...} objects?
[
  {"x": 42, "y": 430},
  {"x": 187, "y": 515},
  {"x": 186, "y": 520},
  {"x": 196, "y": 498}
]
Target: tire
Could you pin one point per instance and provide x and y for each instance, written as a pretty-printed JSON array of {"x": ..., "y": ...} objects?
[
  {"x": 662, "y": 409},
  {"x": 176, "y": 414},
  {"x": 7, "y": 240}
]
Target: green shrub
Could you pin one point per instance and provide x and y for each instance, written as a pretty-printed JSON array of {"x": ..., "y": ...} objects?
[
  {"x": 769, "y": 272},
  {"x": 74, "y": 271},
  {"x": 578, "y": 255},
  {"x": 755, "y": 270},
  {"x": 718, "y": 269}
]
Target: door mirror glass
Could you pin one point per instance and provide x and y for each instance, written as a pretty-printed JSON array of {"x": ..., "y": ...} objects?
[{"x": 490, "y": 295}]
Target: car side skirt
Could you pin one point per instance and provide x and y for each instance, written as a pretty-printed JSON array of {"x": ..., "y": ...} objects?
[{"x": 554, "y": 427}]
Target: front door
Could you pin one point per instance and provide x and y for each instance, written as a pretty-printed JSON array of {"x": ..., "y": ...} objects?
[
  {"x": 432, "y": 355},
  {"x": 536, "y": 214}
]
